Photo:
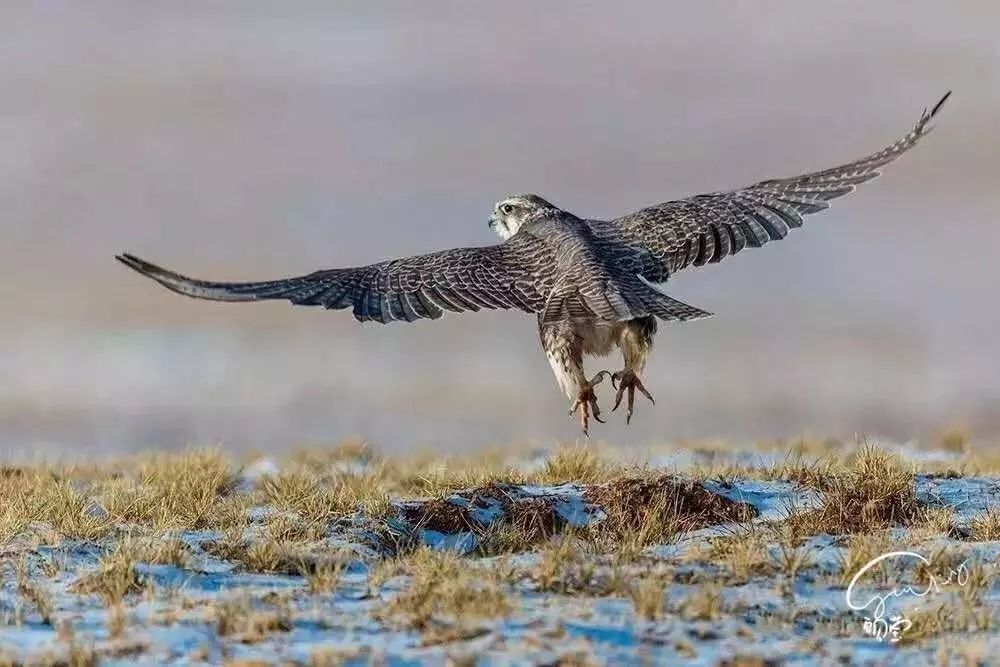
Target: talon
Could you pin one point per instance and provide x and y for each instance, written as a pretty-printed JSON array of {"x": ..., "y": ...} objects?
[
  {"x": 597, "y": 379},
  {"x": 628, "y": 383},
  {"x": 618, "y": 397},
  {"x": 586, "y": 402},
  {"x": 596, "y": 411}
]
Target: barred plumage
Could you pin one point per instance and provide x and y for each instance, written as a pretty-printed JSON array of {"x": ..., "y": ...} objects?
[{"x": 591, "y": 283}]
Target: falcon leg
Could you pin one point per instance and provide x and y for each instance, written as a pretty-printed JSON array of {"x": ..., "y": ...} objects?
[
  {"x": 586, "y": 402},
  {"x": 564, "y": 351},
  {"x": 635, "y": 341}
]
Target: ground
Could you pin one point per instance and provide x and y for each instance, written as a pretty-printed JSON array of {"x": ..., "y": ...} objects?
[{"x": 699, "y": 553}]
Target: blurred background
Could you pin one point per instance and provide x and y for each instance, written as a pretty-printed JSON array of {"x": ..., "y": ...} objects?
[{"x": 252, "y": 140}]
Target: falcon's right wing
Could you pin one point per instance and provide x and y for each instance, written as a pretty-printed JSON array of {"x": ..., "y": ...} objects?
[
  {"x": 509, "y": 275},
  {"x": 706, "y": 228}
]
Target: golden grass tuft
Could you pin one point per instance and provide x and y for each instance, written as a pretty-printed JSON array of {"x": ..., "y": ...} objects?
[
  {"x": 114, "y": 578},
  {"x": 444, "y": 589},
  {"x": 435, "y": 477},
  {"x": 873, "y": 491},
  {"x": 304, "y": 493},
  {"x": 985, "y": 527},
  {"x": 578, "y": 464},
  {"x": 935, "y": 521},
  {"x": 648, "y": 597},
  {"x": 177, "y": 491},
  {"x": 861, "y": 549},
  {"x": 565, "y": 567},
  {"x": 241, "y": 620},
  {"x": 40, "y": 497},
  {"x": 945, "y": 618},
  {"x": 163, "y": 549},
  {"x": 39, "y": 597},
  {"x": 705, "y": 604},
  {"x": 322, "y": 577},
  {"x": 262, "y": 554},
  {"x": 744, "y": 555}
]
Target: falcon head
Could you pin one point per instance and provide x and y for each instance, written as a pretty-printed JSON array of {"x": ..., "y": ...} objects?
[{"x": 511, "y": 213}]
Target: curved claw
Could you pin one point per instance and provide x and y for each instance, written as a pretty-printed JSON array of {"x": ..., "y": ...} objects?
[
  {"x": 586, "y": 402},
  {"x": 618, "y": 398},
  {"x": 629, "y": 382},
  {"x": 599, "y": 377}
]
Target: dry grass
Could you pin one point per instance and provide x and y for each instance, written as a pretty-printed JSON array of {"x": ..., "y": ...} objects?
[
  {"x": 137, "y": 508},
  {"x": 263, "y": 554},
  {"x": 39, "y": 597},
  {"x": 432, "y": 476},
  {"x": 872, "y": 491},
  {"x": 703, "y": 605},
  {"x": 861, "y": 549},
  {"x": 320, "y": 497},
  {"x": 161, "y": 549},
  {"x": 942, "y": 619},
  {"x": 648, "y": 597},
  {"x": 518, "y": 524},
  {"x": 792, "y": 558},
  {"x": 654, "y": 509},
  {"x": 285, "y": 528},
  {"x": 42, "y": 497},
  {"x": 117, "y": 621},
  {"x": 565, "y": 567},
  {"x": 246, "y": 623},
  {"x": 935, "y": 521},
  {"x": 578, "y": 464},
  {"x": 170, "y": 491},
  {"x": 322, "y": 577},
  {"x": 525, "y": 524},
  {"x": 444, "y": 589},
  {"x": 304, "y": 493},
  {"x": 985, "y": 527},
  {"x": 744, "y": 555},
  {"x": 114, "y": 579}
]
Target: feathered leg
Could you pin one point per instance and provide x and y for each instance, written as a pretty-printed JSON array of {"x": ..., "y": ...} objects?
[
  {"x": 635, "y": 339},
  {"x": 564, "y": 350}
]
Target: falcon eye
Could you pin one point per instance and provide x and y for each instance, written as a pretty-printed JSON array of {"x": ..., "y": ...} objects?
[{"x": 507, "y": 209}]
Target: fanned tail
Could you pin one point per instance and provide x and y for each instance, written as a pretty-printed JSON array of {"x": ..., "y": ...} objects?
[{"x": 667, "y": 308}]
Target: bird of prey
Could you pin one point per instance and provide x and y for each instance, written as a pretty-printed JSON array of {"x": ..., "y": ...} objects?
[{"x": 593, "y": 285}]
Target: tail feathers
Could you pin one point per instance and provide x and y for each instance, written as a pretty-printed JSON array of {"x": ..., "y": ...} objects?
[
  {"x": 199, "y": 289},
  {"x": 613, "y": 305},
  {"x": 666, "y": 307}
]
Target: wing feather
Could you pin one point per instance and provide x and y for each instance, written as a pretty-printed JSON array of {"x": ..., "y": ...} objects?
[
  {"x": 510, "y": 275},
  {"x": 707, "y": 228}
]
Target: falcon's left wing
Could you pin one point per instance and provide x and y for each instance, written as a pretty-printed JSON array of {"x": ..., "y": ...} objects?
[
  {"x": 667, "y": 237},
  {"x": 509, "y": 275}
]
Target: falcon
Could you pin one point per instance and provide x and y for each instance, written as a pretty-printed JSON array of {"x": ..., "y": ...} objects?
[{"x": 593, "y": 285}]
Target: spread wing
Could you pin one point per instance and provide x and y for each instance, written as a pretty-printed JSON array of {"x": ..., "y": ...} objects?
[
  {"x": 706, "y": 228},
  {"x": 509, "y": 275}
]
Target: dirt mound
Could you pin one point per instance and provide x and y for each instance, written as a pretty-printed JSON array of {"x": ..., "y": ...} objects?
[
  {"x": 539, "y": 512},
  {"x": 687, "y": 502},
  {"x": 439, "y": 515}
]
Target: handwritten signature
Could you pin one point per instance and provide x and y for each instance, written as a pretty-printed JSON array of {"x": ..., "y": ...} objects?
[{"x": 893, "y": 628}]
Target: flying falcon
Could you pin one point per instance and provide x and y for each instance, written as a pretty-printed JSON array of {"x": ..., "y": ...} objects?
[{"x": 592, "y": 284}]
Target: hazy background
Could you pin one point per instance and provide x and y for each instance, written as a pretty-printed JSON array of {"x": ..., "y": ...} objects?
[{"x": 249, "y": 140}]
